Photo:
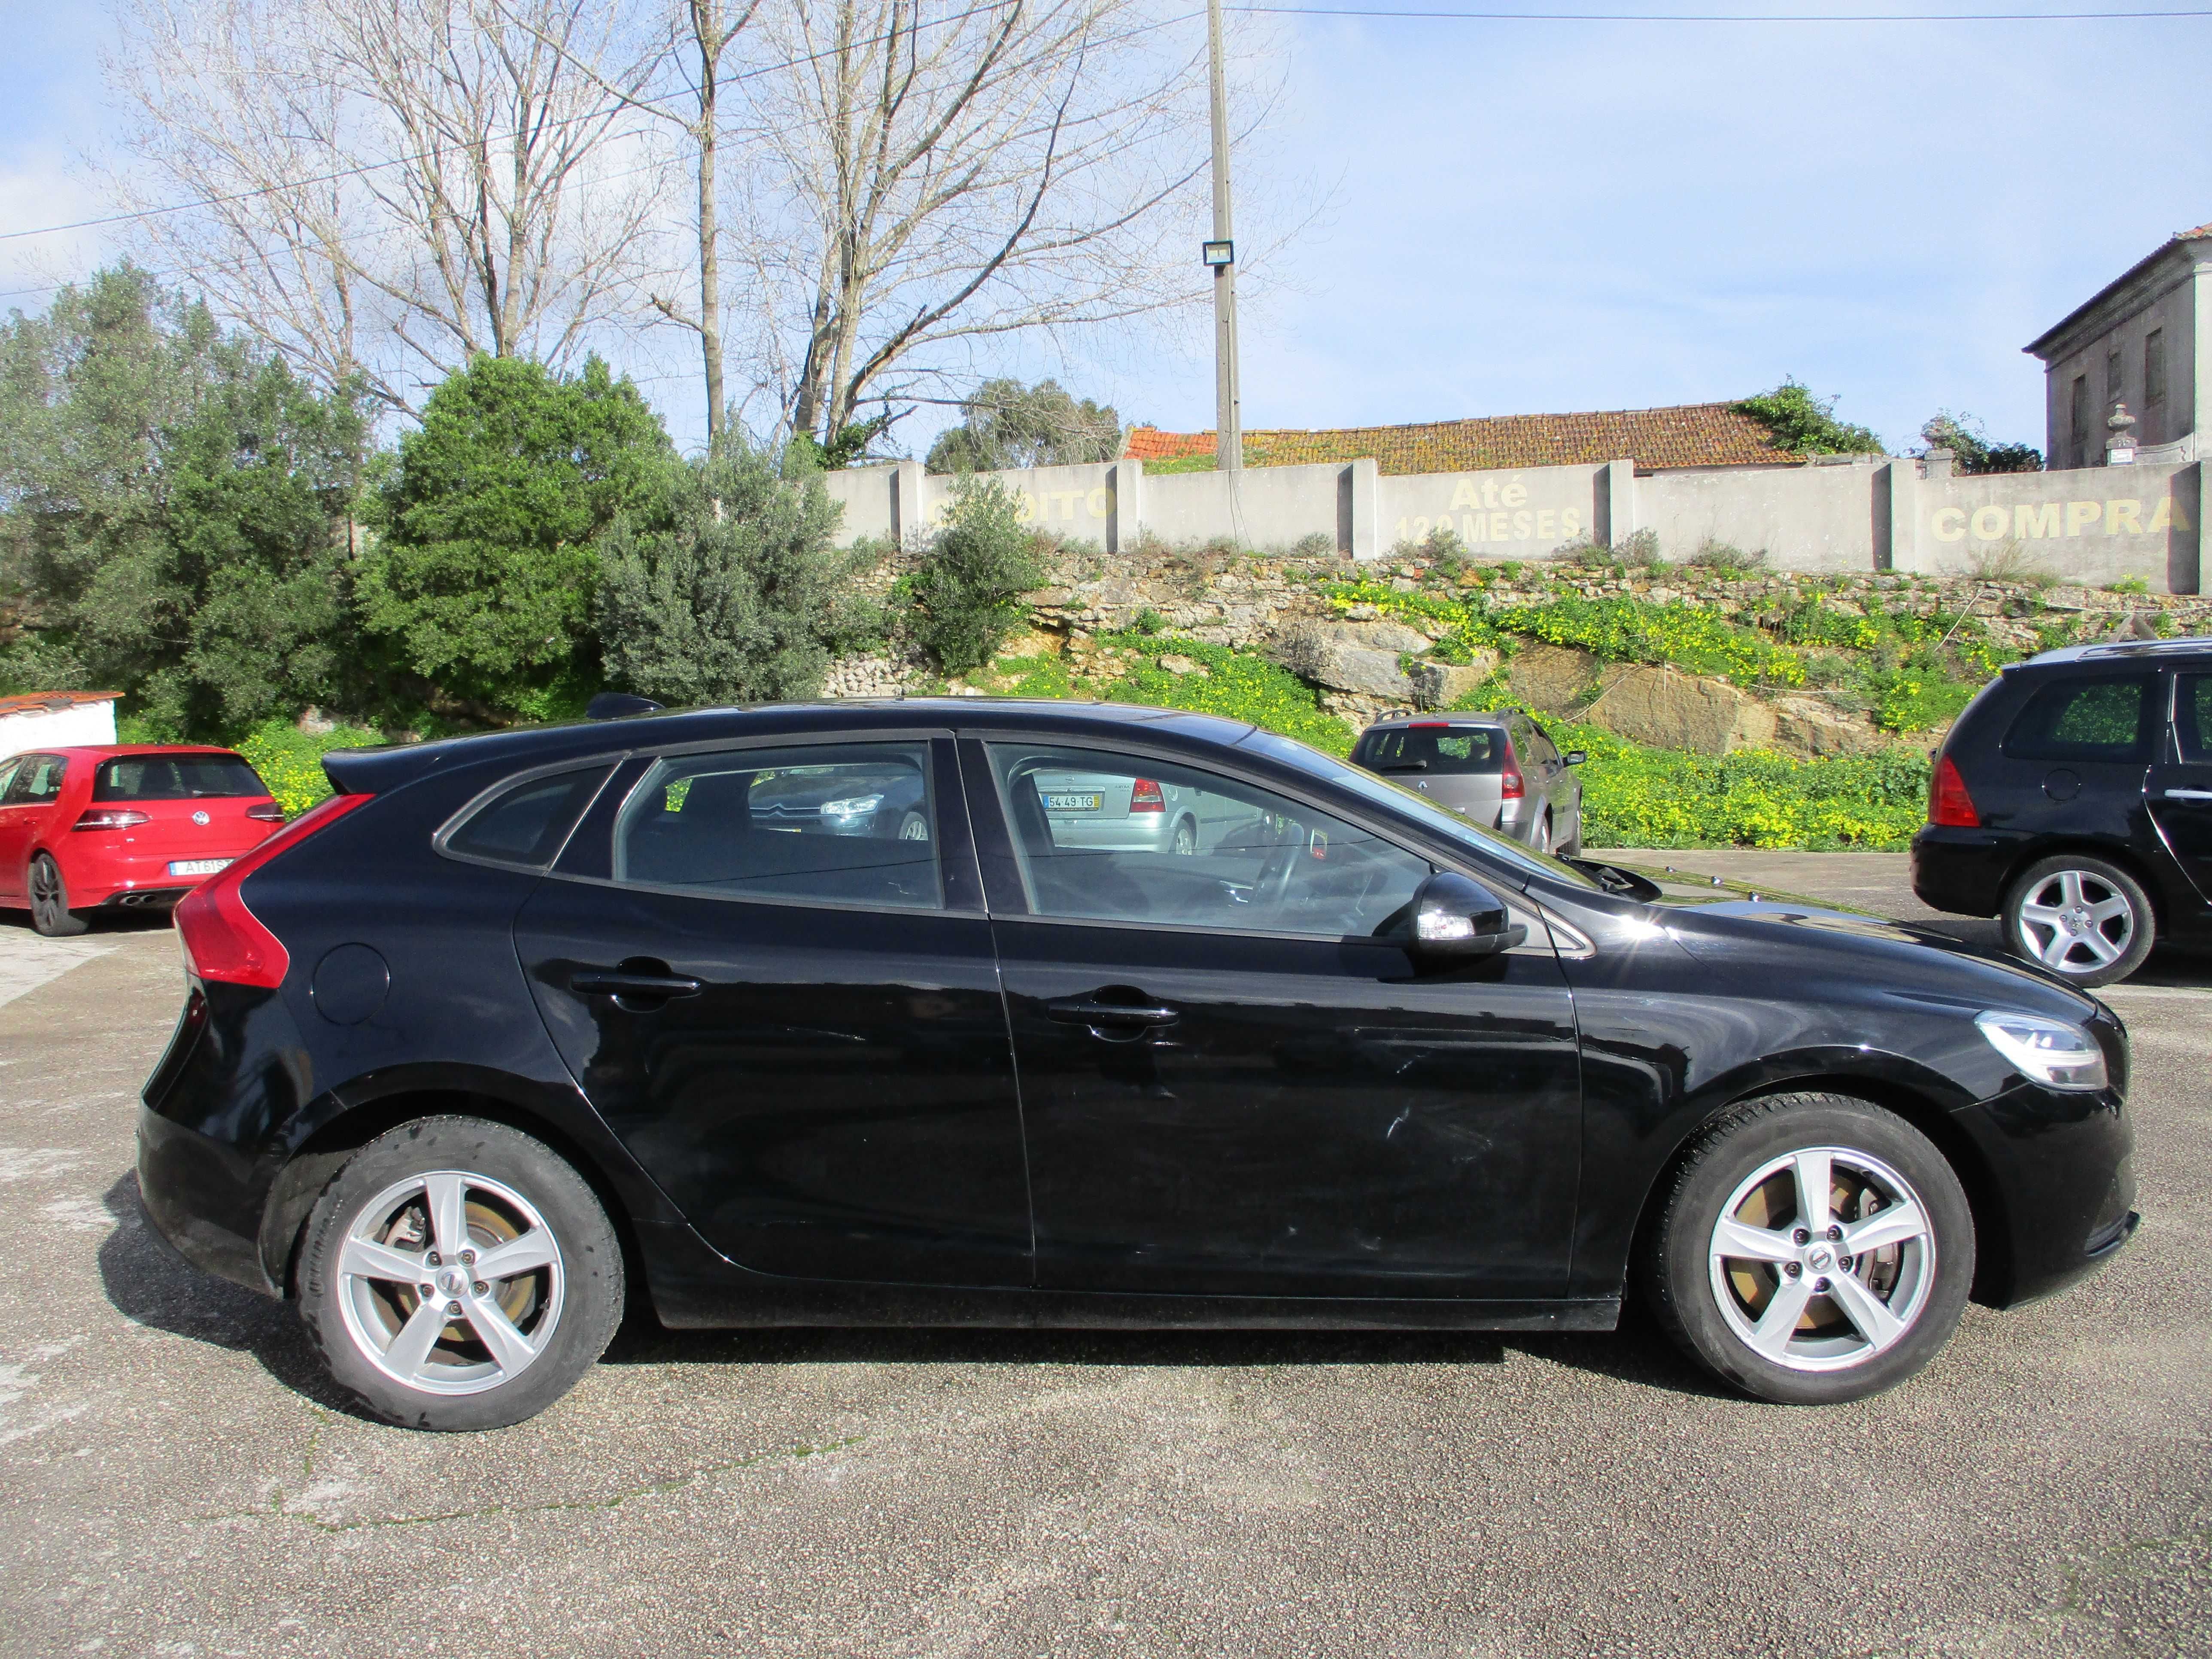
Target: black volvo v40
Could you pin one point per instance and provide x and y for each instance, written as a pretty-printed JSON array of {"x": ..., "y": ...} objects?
[{"x": 848, "y": 1013}]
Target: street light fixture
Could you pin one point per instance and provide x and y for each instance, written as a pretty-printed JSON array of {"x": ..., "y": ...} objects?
[{"x": 1218, "y": 254}]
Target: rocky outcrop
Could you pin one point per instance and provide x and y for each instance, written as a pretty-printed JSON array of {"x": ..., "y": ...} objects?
[
  {"x": 1441, "y": 684},
  {"x": 1359, "y": 657},
  {"x": 1815, "y": 730},
  {"x": 1669, "y": 709},
  {"x": 1553, "y": 679}
]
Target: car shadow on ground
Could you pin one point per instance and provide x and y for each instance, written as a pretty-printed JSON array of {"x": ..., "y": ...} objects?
[{"x": 153, "y": 920}]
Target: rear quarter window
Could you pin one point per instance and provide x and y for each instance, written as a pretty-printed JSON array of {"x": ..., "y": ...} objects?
[
  {"x": 524, "y": 825},
  {"x": 2109, "y": 717}
]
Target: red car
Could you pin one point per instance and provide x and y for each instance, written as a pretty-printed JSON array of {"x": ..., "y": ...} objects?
[{"x": 122, "y": 825}]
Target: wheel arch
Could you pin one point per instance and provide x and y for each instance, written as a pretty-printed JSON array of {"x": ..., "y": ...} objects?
[
  {"x": 2152, "y": 882},
  {"x": 1993, "y": 1257},
  {"x": 315, "y": 1163}
]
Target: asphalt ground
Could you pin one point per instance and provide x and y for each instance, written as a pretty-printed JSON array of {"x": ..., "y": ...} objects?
[{"x": 176, "y": 1478}]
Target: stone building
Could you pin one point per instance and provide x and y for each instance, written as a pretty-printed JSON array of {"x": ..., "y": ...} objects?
[{"x": 2145, "y": 340}]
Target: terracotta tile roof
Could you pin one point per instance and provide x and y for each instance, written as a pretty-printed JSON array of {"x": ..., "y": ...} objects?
[
  {"x": 1688, "y": 434},
  {"x": 2192, "y": 235},
  {"x": 52, "y": 701}
]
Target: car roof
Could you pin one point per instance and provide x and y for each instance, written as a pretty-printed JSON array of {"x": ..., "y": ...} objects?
[
  {"x": 2122, "y": 650},
  {"x": 112, "y": 750},
  {"x": 1415, "y": 717}
]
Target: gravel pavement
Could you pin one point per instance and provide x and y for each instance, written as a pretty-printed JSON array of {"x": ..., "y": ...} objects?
[{"x": 176, "y": 1478}]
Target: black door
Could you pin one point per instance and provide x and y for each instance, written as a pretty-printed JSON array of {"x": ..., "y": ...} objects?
[
  {"x": 769, "y": 970},
  {"x": 2180, "y": 786},
  {"x": 1231, "y": 1084}
]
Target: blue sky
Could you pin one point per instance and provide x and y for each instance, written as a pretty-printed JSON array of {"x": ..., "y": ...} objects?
[{"x": 1527, "y": 216}]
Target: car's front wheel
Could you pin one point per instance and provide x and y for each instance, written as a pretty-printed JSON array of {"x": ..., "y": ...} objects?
[
  {"x": 2082, "y": 917},
  {"x": 50, "y": 908},
  {"x": 1811, "y": 1250},
  {"x": 459, "y": 1274}
]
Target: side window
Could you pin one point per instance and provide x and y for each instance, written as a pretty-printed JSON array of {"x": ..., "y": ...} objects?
[
  {"x": 526, "y": 824},
  {"x": 38, "y": 779},
  {"x": 2086, "y": 719},
  {"x": 2192, "y": 717},
  {"x": 1122, "y": 838},
  {"x": 847, "y": 824},
  {"x": 6, "y": 776}
]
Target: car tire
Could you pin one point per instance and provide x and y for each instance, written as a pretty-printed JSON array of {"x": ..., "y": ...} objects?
[
  {"x": 367, "y": 1261},
  {"x": 1540, "y": 840},
  {"x": 1185, "y": 838},
  {"x": 1724, "y": 1305},
  {"x": 49, "y": 895},
  {"x": 913, "y": 827},
  {"x": 2080, "y": 917}
]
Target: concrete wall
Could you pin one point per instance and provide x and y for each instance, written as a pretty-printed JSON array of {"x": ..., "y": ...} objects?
[
  {"x": 2093, "y": 525},
  {"x": 57, "y": 729}
]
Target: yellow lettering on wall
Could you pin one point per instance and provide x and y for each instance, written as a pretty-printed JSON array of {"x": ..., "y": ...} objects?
[
  {"x": 1544, "y": 521},
  {"x": 1500, "y": 527},
  {"x": 1476, "y": 526},
  {"x": 2079, "y": 515},
  {"x": 2161, "y": 516},
  {"x": 1571, "y": 522},
  {"x": 1990, "y": 523},
  {"x": 1466, "y": 495},
  {"x": 1421, "y": 527},
  {"x": 1025, "y": 509},
  {"x": 1513, "y": 495},
  {"x": 1524, "y": 520},
  {"x": 2035, "y": 520},
  {"x": 2124, "y": 518},
  {"x": 1949, "y": 525},
  {"x": 1100, "y": 501}
]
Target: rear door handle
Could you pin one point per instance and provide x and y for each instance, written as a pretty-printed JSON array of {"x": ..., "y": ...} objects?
[
  {"x": 595, "y": 983},
  {"x": 1082, "y": 1010}
]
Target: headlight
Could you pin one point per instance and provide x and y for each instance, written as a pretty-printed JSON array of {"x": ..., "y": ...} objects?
[
  {"x": 2048, "y": 1051},
  {"x": 851, "y": 810}
]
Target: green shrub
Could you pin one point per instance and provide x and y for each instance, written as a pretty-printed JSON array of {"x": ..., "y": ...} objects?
[
  {"x": 290, "y": 760},
  {"x": 967, "y": 596},
  {"x": 1903, "y": 700},
  {"x": 1632, "y": 630}
]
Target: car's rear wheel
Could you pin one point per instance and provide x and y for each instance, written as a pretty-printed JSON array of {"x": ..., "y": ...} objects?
[
  {"x": 459, "y": 1274},
  {"x": 49, "y": 909},
  {"x": 2082, "y": 917},
  {"x": 1186, "y": 837},
  {"x": 1811, "y": 1250},
  {"x": 1542, "y": 839}
]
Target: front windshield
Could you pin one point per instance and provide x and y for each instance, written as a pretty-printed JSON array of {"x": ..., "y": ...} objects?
[{"x": 1432, "y": 814}]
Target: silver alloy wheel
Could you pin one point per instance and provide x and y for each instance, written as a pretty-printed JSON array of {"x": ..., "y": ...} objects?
[
  {"x": 913, "y": 827},
  {"x": 1186, "y": 837},
  {"x": 2075, "y": 921},
  {"x": 450, "y": 1282},
  {"x": 1844, "y": 1275},
  {"x": 1542, "y": 839},
  {"x": 49, "y": 903}
]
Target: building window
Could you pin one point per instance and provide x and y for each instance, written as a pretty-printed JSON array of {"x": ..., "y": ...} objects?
[
  {"x": 2078, "y": 425},
  {"x": 2154, "y": 368},
  {"x": 2112, "y": 375}
]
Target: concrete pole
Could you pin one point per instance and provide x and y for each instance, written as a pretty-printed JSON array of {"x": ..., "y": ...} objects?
[{"x": 1228, "y": 416}]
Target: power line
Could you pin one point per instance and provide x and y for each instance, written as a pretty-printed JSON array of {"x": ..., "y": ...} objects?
[{"x": 1724, "y": 17}]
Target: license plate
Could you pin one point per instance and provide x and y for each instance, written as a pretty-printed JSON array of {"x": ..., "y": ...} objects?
[
  {"x": 197, "y": 866},
  {"x": 1073, "y": 803}
]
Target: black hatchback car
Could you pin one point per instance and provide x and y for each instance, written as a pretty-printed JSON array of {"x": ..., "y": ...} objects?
[
  {"x": 677, "y": 1004},
  {"x": 2073, "y": 800}
]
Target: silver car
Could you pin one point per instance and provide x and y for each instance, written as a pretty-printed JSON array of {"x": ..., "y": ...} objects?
[
  {"x": 1499, "y": 768},
  {"x": 1119, "y": 813}
]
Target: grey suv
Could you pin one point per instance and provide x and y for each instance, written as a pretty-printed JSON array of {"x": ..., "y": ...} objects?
[{"x": 1499, "y": 768}]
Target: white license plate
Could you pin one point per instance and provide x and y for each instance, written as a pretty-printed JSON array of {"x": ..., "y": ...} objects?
[
  {"x": 197, "y": 866},
  {"x": 1073, "y": 803}
]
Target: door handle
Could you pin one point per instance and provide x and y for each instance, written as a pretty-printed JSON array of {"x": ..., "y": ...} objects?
[
  {"x": 596, "y": 983},
  {"x": 1083, "y": 1011},
  {"x": 2189, "y": 794}
]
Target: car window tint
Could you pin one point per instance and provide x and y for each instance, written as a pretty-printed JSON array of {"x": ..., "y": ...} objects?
[
  {"x": 6, "y": 776},
  {"x": 2085, "y": 720},
  {"x": 844, "y": 824},
  {"x": 38, "y": 779},
  {"x": 174, "y": 777},
  {"x": 1432, "y": 750},
  {"x": 526, "y": 824},
  {"x": 1126, "y": 838},
  {"x": 2192, "y": 717}
]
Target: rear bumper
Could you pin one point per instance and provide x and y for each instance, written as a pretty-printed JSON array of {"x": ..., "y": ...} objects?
[
  {"x": 205, "y": 1198},
  {"x": 1964, "y": 871},
  {"x": 101, "y": 875}
]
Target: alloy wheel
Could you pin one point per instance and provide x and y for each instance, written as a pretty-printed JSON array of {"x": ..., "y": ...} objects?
[
  {"x": 2075, "y": 921},
  {"x": 1822, "y": 1258},
  {"x": 47, "y": 903},
  {"x": 450, "y": 1282}
]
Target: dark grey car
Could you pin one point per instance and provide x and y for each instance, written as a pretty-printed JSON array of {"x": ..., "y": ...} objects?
[{"x": 1499, "y": 768}]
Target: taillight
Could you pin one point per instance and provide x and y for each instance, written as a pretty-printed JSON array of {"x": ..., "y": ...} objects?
[
  {"x": 110, "y": 817},
  {"x": 265, "y": 812},
  {"x": 1948, "y": 803},
  {"x": 1144, "y": 796},
  {"x": 1511, "y": 787},
  {"x": 224, "y": 940}
]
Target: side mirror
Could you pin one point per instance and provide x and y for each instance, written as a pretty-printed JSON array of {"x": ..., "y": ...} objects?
[
  {"x": 1576, "y": 757},
  {"x": 1456, "y": 918}
]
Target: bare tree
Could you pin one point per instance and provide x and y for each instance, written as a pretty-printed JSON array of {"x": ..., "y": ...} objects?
[
  {"x": 929, "y": 178},
  {"x": 384, "y": 188}
]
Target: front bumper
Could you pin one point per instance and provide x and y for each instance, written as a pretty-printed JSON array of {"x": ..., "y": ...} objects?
[
  {"x": 1964, "y": 872},
  {"x": 2064, "y": 1164}
]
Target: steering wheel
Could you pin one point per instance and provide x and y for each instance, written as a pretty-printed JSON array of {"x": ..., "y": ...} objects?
[{"x": 1277, "y": 874}]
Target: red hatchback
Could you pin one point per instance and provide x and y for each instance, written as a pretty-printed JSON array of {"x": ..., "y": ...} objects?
[{"x": 122, "y": 825}]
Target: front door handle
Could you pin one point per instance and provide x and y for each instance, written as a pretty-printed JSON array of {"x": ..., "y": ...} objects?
[
  {"x": 2189, "y": 794},
  {"x": 596, "y": 982},
  {"x": 1085, "y": 1010}
]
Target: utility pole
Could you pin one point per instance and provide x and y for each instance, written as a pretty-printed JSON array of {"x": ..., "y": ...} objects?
[{"x": 1221, "y": 254}]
